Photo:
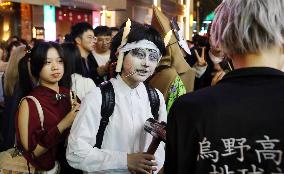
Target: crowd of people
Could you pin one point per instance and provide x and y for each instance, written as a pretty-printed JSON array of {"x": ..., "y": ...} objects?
[{"x": 96, "y": 95}]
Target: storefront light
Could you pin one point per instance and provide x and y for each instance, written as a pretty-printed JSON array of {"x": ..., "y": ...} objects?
[
  {"x": 49, "y": 23},
  {"x": 6, "y": 33},
  {"x": 187, "y": 17},
  {"x": 155, "y": 3},
  {"x": 6, "y": 27},
  {"x": 34, "y": 32},
  {"x": 191, "y": 20},
  {"x": 96, "y": 18},
  {"x": 103, "y": 15},
  {"x": 3, "y": 4},
  {"x": 6, "y": 36}
]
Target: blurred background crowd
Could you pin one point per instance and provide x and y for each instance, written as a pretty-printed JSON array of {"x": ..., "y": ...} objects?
[{"x": 26, "y": 23}]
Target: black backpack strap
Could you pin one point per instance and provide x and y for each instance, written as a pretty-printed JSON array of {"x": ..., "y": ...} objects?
[
  {"x": 154, "y": 100},
  {"x": 107, "y": 107}
]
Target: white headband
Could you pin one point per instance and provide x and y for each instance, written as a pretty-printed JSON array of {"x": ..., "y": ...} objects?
[
  {"x": 146, "y": 44},
  {"x": 126, "y": 31},
  {"x": 140, "y": 44}
]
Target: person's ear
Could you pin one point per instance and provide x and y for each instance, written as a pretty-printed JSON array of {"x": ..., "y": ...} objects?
[{"x": 78, "y": 40}]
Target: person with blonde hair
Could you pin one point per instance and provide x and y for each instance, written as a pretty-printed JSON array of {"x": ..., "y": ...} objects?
[
  {"x": 12, "y": 96},
  {"x": 235, "y": 126},
  {"x": 3, "y": 64},
  {"x": 11, "y": 73}
]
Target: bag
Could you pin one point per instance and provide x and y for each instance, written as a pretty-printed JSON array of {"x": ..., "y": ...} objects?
[
  {"x": 12, "y": 160},
  {"x": 108, "y": 102}
]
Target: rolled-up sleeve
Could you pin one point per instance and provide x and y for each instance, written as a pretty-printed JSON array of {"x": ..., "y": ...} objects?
[{"x": 49, "y": 138}]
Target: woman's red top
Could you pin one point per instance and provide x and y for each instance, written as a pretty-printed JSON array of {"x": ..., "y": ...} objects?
[{"x": 54, "y": 110}]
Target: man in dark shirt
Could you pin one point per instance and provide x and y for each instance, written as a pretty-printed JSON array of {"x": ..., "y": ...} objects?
[
  {"x": 83, "y": 36},
  {"x": 236, "y": 126}
]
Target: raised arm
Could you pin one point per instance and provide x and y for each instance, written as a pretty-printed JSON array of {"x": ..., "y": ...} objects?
[{"x": 46, "y": 138}]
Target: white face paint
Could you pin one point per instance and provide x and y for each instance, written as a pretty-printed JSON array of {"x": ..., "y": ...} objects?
[{"x": 139, "y": 64}]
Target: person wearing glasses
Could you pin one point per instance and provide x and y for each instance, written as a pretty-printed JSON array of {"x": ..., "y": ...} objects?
[{"x": 101, "y": 53}]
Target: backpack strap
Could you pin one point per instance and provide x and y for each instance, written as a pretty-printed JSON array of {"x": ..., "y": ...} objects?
[
  {"x": 39, "y": 109},
  {"x": 41, "y": 119},
  {"x": 107, "y": 107},
  {"x": 108, "y": 102},
  {"x": 154, "y": 100}
]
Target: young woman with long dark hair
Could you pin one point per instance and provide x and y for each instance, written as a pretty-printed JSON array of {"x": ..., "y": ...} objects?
[{"x": 44, "y": 148}]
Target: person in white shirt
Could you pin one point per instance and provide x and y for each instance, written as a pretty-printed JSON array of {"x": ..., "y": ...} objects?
[
  {"x": 125, "y": 141},
  {"x": 79, "y": 85},
  {"x": 101, "y": 52}
]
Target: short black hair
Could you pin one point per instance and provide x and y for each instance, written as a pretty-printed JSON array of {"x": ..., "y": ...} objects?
[
  {"x": 138, "y": 32},
  {"x": 78, "y": 29},
  {"x": 102, "y": 31},
  {"x": 39, "y": 56},
  {"x": 199, "y": 41},
  {"x": 15, "y": 37},
  {"x": 68, "y": 38},
  {"x": 114, "y": 29},
  {"x": 23, "y": 41}
]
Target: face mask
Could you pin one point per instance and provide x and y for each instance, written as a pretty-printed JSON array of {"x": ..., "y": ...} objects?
[{"x": 215, "y": 59}]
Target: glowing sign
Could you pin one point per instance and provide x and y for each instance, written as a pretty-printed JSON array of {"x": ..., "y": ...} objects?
[
  {"x": 5, "y": 4},
  {"x": 96, "y": 18},
  {"x": 49, "y": 23}
]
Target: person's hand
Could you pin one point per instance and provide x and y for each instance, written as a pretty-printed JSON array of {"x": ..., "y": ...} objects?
[
  {"x": 107, "y": 65},
  {"x": 102, "y": 70},
  {"x": 112, "y": 68},
  {"x": 67, "y": 121},
  {"x": 201, "y": 59},
  {"x": 141, "y": 163},
  {"x": 72, "y": 114},
  {"x": 217, "y": 77}
]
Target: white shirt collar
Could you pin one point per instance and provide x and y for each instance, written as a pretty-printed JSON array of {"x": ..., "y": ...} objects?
[{"x": 124, "y": 89}]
